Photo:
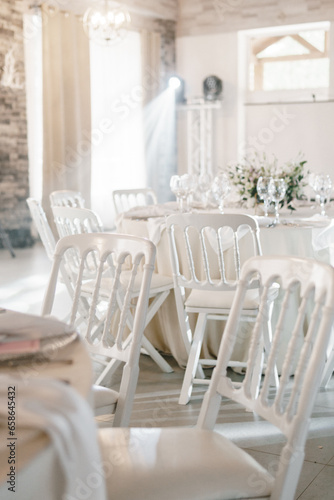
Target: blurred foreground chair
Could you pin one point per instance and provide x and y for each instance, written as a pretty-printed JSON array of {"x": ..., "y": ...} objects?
[
  {"x": 206, "y": 259},
  {"x": 201, "y": 464},
  {"x": 114, "y": 317},
  {"x": 124, "y": 199},
  {"x": 67, "y": 198},
  {"x": 82, "y": 220}
]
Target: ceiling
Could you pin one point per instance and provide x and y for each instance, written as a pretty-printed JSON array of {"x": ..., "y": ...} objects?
[{"x": 150, "y": 8}]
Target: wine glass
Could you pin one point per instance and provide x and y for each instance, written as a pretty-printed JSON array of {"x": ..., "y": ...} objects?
[
  {"x": 181, "y": 186},
  {"x": 188, "y": 183},
  {"x": 220, "y": 189},
  {"x": 262, "y": 187},
  {"x": 277, "y": 190},
  {"x": 204, "y": 182},
  {"x": 322, "y": 186},
  {"x": 177, "y": 190}
]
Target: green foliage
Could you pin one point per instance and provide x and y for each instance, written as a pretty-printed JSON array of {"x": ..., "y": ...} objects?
[{"x": 244, "y": 177}]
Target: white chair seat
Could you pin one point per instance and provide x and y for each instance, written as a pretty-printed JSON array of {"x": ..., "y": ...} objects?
[
  {"x": 220, "y": 300},
  {"x": 148, "y": 456},
  {"x": 158, "y": 281},
  {"x": 223, "y": 300},
  {"x": 105, "y": 400}
]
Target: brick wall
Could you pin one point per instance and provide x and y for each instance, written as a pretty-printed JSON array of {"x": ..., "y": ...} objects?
[
  {"x": 14, "y": 174},
  {"x": 196, "y": 17}
]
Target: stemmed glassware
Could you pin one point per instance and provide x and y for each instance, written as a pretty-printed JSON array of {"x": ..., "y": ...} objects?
[
  {"x": 204, "y": 182},
  {"x": 182, "y": 186},
  {"x": 263, "y": 192},
  {"x": 220, "y": 189},
  {"x": 322, "y": 186},
  {"x": 277, "y": 189}
]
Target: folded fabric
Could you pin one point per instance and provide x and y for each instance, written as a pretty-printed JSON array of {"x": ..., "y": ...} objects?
[
  {"x": 20, "y": 346},
  {"x": 323, "y": 238},
  {"x": 57, "y": 409},
  {"x": 144, "y": 212},
  {"x": 155, "y": 227},
  {"x": 15, "y": 325}
]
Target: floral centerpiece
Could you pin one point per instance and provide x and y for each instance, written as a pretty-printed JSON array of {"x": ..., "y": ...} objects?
[{"x": 244, "y": 177}]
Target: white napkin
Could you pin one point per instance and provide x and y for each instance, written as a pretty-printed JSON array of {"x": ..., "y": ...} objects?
[
  {"x": 323, "y": 238},
  {"x": 15, "y": 325},
  {"x": 58, "y": 410},
  {"x": 144, "y": 212},
  {"x": 155, "y": 227}
]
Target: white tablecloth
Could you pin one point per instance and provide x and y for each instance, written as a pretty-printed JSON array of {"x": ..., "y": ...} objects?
[{"x": 302, "y": 233}]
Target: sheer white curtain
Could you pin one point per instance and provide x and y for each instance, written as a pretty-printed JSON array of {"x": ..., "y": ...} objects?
[
  {"x": 159, "y": 116},
  {"x": 34, "y": 90},
  {"x": 66, "y": 105},
  {"x": 117, "y": 96}
]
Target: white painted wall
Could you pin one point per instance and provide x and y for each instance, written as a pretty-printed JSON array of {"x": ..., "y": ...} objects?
[
  {"x": 284, "y": 130},
  {"x": 287, "y": 129},
  {"x": 196, "y": 58}
]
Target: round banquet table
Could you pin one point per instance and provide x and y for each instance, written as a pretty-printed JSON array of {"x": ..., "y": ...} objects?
[
  {"x": 37, "y": 465},
  {"x": 301, "y": 233}
]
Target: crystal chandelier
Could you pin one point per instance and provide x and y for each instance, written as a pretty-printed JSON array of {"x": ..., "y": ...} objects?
[{"x": 106, "y": 24}]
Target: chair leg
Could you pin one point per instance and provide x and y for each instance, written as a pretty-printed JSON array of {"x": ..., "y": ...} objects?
[
  {"x": 150, "y": 349},
  {"x": 156, "y": 356},
  {"x": 183, "y": 319},
  {"x": 193, "y": 365}
]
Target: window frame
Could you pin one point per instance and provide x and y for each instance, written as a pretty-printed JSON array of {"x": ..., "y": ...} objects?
[{"x": 257, "y": 95}]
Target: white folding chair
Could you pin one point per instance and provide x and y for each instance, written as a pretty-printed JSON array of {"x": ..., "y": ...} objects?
[
  {"x": 206, "y": 259},
  {"x": 42, "y": 225},
  {"x": 105, "y": 328},
  {"x": 48, "y": 240},
  {"x": 67, "y": 198},
  {"x": 74, "y": 220},
  {"x": 124, "y": 199},
  {"x": 200, "y": 463},
  {"x": 82, "y": 220}
]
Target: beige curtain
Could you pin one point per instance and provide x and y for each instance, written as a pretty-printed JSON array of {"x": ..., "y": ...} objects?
[
  {"x": 151, "y": 64},
  {"x": 159, "y": 116},
  {"x": 66, "y": 106}
]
